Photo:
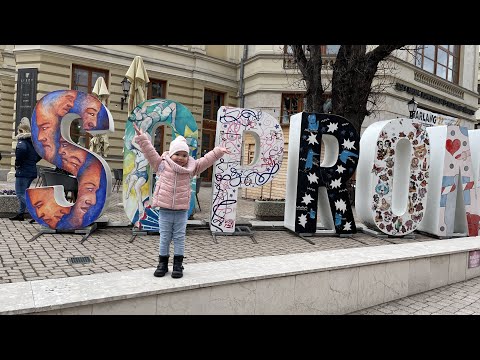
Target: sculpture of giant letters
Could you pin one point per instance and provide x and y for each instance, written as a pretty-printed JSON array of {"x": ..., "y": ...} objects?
[
  {"x": 51, "y": 120},
  {"x": 306, "y": 177},
  {"x": 137, "y": 184},
  {"x": 229, "y": 175},
  {"x": 452, "y": 170},
  {"x": 392, "y": 176}
]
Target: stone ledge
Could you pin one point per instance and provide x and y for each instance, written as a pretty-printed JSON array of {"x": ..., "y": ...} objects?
[{"x": 140, "y": 285}]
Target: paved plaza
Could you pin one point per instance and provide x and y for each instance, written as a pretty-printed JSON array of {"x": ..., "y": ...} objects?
[
  {"x": 111, "y": 251},
  {"x": 462, "y": 298}
]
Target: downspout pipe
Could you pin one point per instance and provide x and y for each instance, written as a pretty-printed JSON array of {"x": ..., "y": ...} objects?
[
  {"x": 242, "y": 95},
  {"x": 242, "y": 72}
]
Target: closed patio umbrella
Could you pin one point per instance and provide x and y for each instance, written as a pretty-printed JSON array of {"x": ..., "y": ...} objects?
[
  {"x": 138, "y": 77},
  {"x": 100, "y": 90},
  {"x": 99, "y": 142}
]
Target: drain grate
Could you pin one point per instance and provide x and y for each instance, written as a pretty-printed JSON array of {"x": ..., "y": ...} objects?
[{"x": 79, "y": 260}]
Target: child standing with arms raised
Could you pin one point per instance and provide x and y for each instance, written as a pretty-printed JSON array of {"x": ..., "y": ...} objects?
[{"x": 174, "y": 169}]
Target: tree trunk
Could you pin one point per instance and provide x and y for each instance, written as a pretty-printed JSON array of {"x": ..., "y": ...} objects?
[
  {"x": 311, "y": 70},
  {"x": 351, "y": 84}
]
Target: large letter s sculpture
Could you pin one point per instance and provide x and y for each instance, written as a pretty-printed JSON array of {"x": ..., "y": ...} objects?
[{"x": 51, "y": 120}]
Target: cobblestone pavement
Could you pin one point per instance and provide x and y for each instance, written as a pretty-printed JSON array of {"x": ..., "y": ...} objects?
[
  {"x": 46, "y": 257},
  {"x": 461, "y": 298}
]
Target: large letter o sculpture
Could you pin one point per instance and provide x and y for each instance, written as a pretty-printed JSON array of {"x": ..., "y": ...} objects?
[
  {"x": 51, "y": 120},
  {"x": 392, "y": 176},
  {"x": 137, "y": 184}
]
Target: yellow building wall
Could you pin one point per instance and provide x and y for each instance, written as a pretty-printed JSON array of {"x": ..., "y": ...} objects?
[
  {"x": 55, "y": 73},
  {"x": 275, "y": 189},
  {"x": 217, "y": 51},
  {"x": 7, "y": 123},
  {"x": 7, "y": 104}
]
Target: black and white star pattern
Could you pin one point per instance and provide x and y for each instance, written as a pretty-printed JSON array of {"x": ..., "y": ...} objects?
[
  {"x": 312, "y": 178},
  {"x": 335, "y": 177},
  {"x": 302, "y": 220},
  {"x": 307, "y": 199},
  {"x": 347, "y": 144},
  {"x": 312, "y": 139},
  {"x": 332, "y": 127}
]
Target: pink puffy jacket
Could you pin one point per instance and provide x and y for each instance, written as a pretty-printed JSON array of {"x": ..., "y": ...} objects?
[{"x": 172, "y": 189}]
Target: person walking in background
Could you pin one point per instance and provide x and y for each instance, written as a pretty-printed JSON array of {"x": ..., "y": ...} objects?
[
  {"x": 174, "y": 169},
  {"x": 26, "y": 159}
]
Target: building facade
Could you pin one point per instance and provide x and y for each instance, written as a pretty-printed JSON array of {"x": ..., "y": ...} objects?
[
  {"x": 443, "y": 80},
  {"x": 187, "y": 74}
]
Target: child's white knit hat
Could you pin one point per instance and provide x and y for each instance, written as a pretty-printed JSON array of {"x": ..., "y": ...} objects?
[{"x": 179, "y": 144}]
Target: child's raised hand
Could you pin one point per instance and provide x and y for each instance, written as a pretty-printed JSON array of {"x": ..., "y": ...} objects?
[
  {"x": 225, "y": 150},
  {"x": 137, "y": 130}
]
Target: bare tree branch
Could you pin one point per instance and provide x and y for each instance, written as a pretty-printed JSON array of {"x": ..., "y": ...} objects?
[
  {"x": 308, "y": 66},
  {"x": 381, "y": 52},
  {"x": 358, "y": 81},
  {"x": 300, "y": 58}
]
